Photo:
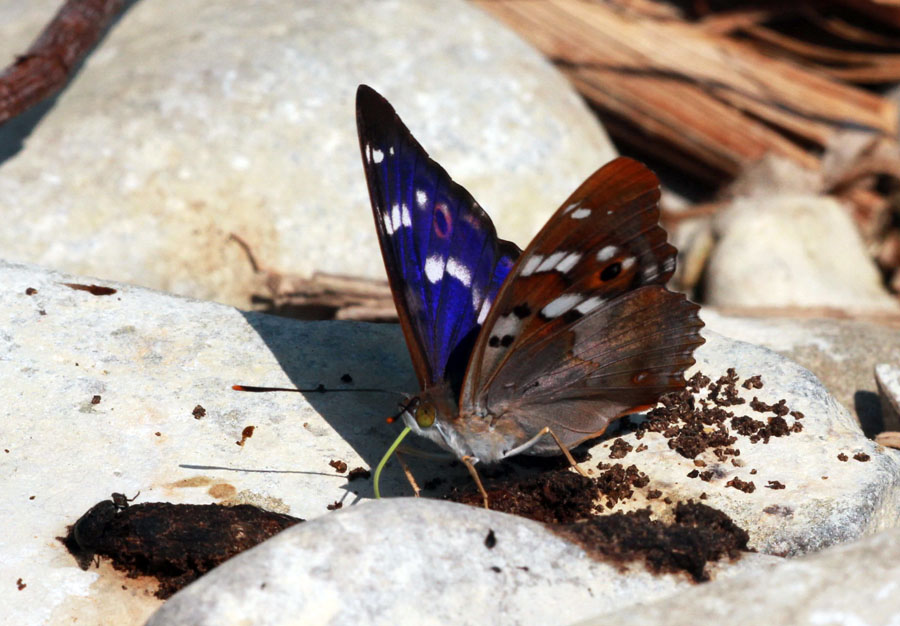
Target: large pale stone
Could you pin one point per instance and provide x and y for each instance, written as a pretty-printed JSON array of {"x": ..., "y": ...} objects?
[
  {"x": 193, "y": 121},
  {"x": 406, "y": 561},
  {"x": 841, "y": 353},
  {"x": 825, "y": 501},
  {"x": 887, "y": 376},
  {"x": 151, "y": 358},
  {"x": 792, "y": 251},
  {"x": 852, "y": 584}
]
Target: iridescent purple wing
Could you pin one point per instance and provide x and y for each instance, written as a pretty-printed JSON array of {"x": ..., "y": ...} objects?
[{"x": 444, "y": 261}]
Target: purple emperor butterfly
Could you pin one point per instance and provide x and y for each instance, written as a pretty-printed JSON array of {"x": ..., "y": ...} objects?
[{"x": 524, "y": 352}]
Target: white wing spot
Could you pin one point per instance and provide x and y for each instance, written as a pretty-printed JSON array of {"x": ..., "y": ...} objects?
[
  {"x": 483, "y": 313},
  {"x": 627, "y": 263},
  {"x": 395, "y": 217},
  {"x": 606, "y": 253},
  {"x": 421, "y": 198},
  {"x": 550, "y": 262},
  {"x": 476, "y": 299},
  {"x": 388, "y": 225},
  {"x": 561, "y": 305},
  {"x": 391, "y": 151},
  {"x": 569, "y": 208},
  {"x": 405, "y": 218},
  {"x": 507, "y": 325},
  {"x": 589, "y": 305},
  {"x": 669, "y": 264},
  {"x": 651, "y": 272},
  {"x": 570, "y": 261},
  {"x": 434, "y": 268},
  {"x": 580, "y": 214},
  {"x": 531, "y": 265},
  {"x": 459, "y": 271},
  {"x": 377, "y": 156}
]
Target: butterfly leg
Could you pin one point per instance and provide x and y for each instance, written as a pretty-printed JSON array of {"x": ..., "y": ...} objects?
[
  {"x": 470, "y": 465},
  {"x": 546, "y": 431},
  {"x": 542, "y": 432},
  {"x": 409, "y": 476}
]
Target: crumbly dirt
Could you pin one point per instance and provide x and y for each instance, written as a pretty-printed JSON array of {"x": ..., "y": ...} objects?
[
  {"x": 174, "y": 543},
  {"x": 705, "y": 417}
]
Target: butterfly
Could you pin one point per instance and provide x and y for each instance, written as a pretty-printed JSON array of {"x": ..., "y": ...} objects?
[{"x": 530, "y": 351}]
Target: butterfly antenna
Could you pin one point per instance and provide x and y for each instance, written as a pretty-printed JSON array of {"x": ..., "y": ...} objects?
[
  {"x": 387, "y": 455},
  {"x": 317, "y": 389}
]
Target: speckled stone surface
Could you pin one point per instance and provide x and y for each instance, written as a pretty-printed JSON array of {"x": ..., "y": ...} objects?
[
  {"x": 151, "y": 358},
  {"x": 852, "y": 584},
  {"x": 841, "y": 353},
  {"x": 792, "y": 251},
  {"x": 887, "y": 376},
  {"x": 407, "y": 561},
  {"x": 825, "y": 500},
  {"x": 190, "y": 122}
]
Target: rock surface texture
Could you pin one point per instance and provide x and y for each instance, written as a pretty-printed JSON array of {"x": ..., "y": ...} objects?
[
  {"x": 887, "y": 376},
  {"x": 190, "y": 122},
  {"x": 792, "y": 251},
  {"x": 841, "y": 353},
  {"x": 337, "y": 571},
  {"x": 101, "y": 393},
  {"x": 851, "y": 584}
]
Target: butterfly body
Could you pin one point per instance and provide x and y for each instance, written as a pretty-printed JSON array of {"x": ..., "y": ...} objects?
[{"x": 508, "y": 345}]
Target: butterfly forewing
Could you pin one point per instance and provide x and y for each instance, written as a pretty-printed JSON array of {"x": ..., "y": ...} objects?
[{"x": 444, "y": 261}]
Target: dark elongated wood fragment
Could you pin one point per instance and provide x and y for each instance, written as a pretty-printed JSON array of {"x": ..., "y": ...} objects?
[{"x": 45, "y": 67}]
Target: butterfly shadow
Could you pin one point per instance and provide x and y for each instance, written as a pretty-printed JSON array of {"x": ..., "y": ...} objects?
[{"x": 355, "y": 376}]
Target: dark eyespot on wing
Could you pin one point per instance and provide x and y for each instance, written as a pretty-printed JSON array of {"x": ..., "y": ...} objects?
[{"x": 610, "y": 271}]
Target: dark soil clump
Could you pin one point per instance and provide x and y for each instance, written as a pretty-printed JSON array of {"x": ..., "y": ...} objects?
[
  {"x": 698, "y": 535},
  {"x": 174, "y": 543}
]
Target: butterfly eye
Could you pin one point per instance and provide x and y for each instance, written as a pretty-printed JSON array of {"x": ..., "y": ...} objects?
[{"x": 425, "y": 415}]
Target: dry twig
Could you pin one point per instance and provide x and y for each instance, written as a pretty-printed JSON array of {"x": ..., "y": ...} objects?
[{"x": 45, "y": 67}]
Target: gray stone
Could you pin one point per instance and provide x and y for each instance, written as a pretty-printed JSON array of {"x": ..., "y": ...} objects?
[
  {"x": 792, "y": 251},
  {"x": 406, "y": 561},
  {"x": 851, "y": 584},
  {"x": 826, "y": 500},
  {"x": 887, "y": 377},
  {"x": 190, "y": 122},
  {"x": 151, "y": 358},
  {"x": 841, "y": 353}
]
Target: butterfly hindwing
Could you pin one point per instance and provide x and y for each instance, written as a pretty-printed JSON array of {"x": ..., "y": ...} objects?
[
  {"x": 445, "y": 263},
  {"x": 619, "y": 359},
  {"x": 584, "y": 316}
]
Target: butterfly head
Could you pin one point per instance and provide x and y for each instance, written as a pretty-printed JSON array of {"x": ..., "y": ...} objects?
[{"x": 431, "y": 414}]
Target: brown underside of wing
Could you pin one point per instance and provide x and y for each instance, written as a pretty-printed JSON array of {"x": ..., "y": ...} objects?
[
  {"x": 621, "y": 357},
  {"x": 604, "y": 241}
]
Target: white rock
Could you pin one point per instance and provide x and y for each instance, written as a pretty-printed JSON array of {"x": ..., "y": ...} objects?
[
  {"x": 888, "y": 378},
  {"x": 825, "y": 501},
  {"x": 152, "y": 358},
  {"x": 792, "y": 251},
  {"x": 852, "y": 584},
  {"x": 842, "y": 353},
  {"x": 406, "y": 561},
  {"x": 191, "y": 122}
]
